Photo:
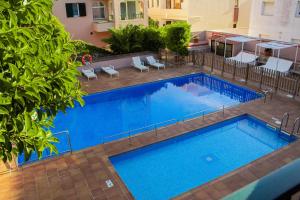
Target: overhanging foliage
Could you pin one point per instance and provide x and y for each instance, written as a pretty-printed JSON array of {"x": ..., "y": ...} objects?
[{"x": 37, "y": 76}]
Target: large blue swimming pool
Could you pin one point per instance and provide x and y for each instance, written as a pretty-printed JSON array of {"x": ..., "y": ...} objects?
[
  {"x": 169, "y": 168},
  {"x": 107, "y": 115}
]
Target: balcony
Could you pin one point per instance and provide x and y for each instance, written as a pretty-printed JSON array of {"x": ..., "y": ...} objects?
[
  {"x": 103, "y": 25},
  {"x": 132, "y": 16}
]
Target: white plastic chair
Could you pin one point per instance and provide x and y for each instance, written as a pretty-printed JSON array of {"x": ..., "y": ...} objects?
[
  {"x": 138, "y": 64},
  {"x": 110, "y": 70},
  {"x": 89, "y": 73},
  {"x": 154, "y": 63}
]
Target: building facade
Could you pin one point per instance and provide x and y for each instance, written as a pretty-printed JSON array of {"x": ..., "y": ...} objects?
[
  {"x": 202, "y": 14},
  {"x": 90, "y": 20},
  {"x": 276, "y": 20}
]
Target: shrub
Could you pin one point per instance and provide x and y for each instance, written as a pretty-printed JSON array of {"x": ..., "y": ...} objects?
[
  {"x": 153, "y": 39},
  {"x": 133, "y": 38},
  {"x": 178, "y": 36},
  {"x": 152, "y": 23},
  {"x": 126, "y": 40},
  {"x": 82, "y": 47}
]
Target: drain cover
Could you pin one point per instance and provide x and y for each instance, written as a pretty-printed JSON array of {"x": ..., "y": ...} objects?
[
  {"x": 109, "y": 183},
  {"x": 209, "y": 158}
]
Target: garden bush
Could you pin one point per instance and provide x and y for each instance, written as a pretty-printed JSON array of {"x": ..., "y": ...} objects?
[
  {"x": 153, "y": 39},
  {"x": 126, "y": 40},
  {"x": 134, "y": 38},
  {"x": 178, "y": 36},
  {"x": 82, "y": 47}
]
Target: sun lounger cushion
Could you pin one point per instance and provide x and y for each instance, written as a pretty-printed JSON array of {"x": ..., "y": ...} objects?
[
  {"x": 110, "y": 70},
  {"x": 137, "y": 63},
  {"x": 151, "y": 61}
]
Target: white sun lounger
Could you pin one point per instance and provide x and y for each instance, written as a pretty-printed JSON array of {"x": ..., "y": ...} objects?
[
  {"x": 243, "y": 57},
  {"x": 110, "y": 70},
  {"x": 89, "y": 73},
  {"x": 283, "y": 65},
  {"x": 154, "y": 63},
  {"x": 138, "y": 64}
]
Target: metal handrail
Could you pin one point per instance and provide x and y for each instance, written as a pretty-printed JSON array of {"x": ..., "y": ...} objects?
[
  {"x": 287, "y": 117},
  {"x": 51, "y": 155},
  {"x": 68, "y": 138},
  {"x": 156, "y": 125},
  {"x": 295, "y": 128},
  {"x": 133, "y": 130}
]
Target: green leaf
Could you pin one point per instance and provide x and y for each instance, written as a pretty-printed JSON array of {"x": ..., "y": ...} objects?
[
  {"x": 3, "y": 111},
  {"x": 27, "y": 121},
  {"x": 13, "y": 18},
  {"x": 2, "y": 139},
  {"x": 5, "y": 100}
]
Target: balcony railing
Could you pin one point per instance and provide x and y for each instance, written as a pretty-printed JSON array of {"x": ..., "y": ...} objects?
[{"x": 131, "y": 16}]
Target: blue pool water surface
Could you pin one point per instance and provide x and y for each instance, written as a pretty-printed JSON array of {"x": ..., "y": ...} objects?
[
  {"x": 169, "y": 168},
  {"x": 107, "y": 114}
]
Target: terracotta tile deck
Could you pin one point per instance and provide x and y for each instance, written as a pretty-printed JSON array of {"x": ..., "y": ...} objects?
[{"x": 82, "y": 174}]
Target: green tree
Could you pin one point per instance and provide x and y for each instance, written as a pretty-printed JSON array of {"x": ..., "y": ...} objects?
[
  {"x": 178, "y": 36},
  {"x": 37, "y": 76}
]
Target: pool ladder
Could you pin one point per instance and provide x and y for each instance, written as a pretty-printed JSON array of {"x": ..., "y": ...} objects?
[
  {"x": 284, "y": 121},
  {"x": 296, "y": 126}
]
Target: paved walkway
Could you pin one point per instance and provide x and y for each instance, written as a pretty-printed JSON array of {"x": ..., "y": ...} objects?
[{"x": 82, "y": 175}]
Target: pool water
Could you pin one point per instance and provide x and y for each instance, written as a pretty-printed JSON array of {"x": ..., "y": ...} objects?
[
  {"x": 106, "y": 116},
  {"x": 169, "y": 168}
]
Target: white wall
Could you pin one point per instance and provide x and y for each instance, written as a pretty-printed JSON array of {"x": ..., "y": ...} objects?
[
  {"x": 212, "y": 14},
  {"x": 283, "y": 25},
  {"x": 204, "y": 14}
]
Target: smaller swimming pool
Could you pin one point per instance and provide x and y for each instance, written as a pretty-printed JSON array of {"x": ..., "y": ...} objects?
[{"x": 166, "y": 169}]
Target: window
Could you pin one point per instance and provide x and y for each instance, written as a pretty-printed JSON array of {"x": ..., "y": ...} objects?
[
  {"x": 75, "y": 9},
  {"x": 173, "y": 4},
  {"x": 298, "y": 9},
  {"x": 152, "y": 3},
  {"x": 98, "y": 10},
  {"x": 157, "y": 3},
  {"x": 268, "y": 8},
  {"x": 177, "y": 4},
  {"x": 131, "y": 9},
  {"x": 168, "y": 4}
]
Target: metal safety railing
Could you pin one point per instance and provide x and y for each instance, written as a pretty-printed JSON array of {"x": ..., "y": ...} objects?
[
  {"x": 65, "y": 147},
  {"x": 156, "y": 126},
  {"x": 284, "y": 121},
  {"x": 296, "y": 126}
]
